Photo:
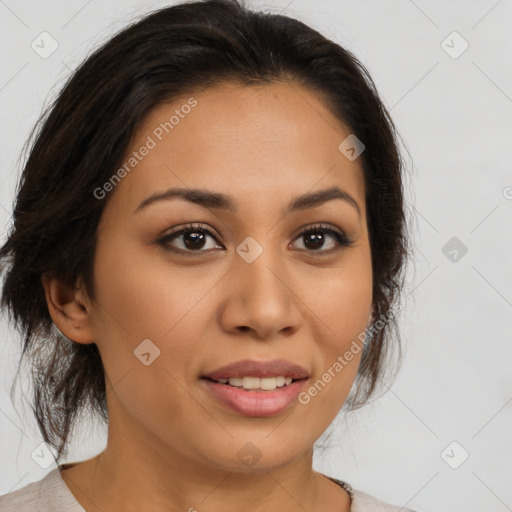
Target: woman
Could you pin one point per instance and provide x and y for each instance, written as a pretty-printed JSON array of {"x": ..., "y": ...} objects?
[{"x": 208, "y": 243}]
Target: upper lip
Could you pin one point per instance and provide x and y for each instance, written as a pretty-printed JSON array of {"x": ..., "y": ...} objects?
[{"x": 249, "y": 367}]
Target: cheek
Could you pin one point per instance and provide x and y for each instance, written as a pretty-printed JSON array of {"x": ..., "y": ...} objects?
[
  {"x": 142, "y": 297},
  {"x": 341, "y": 303},
  {"x": 139, "y": 300},
  {"x": 142, "y": 294},
  {"x": 342, "y": 298}
]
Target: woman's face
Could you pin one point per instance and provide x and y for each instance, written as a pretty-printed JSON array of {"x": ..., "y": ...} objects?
[{"x": 170, "y": 310}]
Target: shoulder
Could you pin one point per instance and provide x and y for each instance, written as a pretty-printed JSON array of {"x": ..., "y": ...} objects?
[
  {"x": 363, "y": 502},
  {"x": 49, "y": 493},
  {"x": 25, "y": 498}
]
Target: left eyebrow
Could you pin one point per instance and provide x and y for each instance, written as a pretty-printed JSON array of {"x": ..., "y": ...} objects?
[{"x": 218, "y": 201}]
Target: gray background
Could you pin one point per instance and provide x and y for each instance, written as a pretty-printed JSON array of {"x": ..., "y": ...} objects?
[{"x": 454, "y": 113}]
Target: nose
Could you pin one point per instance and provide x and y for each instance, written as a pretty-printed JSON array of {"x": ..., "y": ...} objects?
[{"x": 259, "y": 299}]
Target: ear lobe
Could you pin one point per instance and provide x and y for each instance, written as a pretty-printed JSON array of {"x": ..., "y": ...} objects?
[{"x": 69, "y": 309}]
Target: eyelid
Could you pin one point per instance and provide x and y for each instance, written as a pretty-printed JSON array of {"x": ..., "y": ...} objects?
[
  {"x": 189, "y": 227},
  {"x": 342, "y": 240}
]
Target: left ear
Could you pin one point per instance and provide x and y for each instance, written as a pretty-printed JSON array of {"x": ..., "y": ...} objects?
[{"x": 69, "y": 308}]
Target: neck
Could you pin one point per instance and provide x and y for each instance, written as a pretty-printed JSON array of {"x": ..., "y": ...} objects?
[{"x": 137, "y": 471}]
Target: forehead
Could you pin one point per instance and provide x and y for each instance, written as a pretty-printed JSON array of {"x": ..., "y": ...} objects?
[{"x": 253, "y": 142}]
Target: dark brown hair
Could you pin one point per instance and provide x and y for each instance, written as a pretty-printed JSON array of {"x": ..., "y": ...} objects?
[{"x": 81, "y": 139}]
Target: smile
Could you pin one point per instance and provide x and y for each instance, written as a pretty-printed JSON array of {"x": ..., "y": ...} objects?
[{"x": 250, "y": 398}]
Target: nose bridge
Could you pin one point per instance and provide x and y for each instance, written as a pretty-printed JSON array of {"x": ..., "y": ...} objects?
[
  {"x": 259, "y": 295},
  {"x": 261, "y": 268}
]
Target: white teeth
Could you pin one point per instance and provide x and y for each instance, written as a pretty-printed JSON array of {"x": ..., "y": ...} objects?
[
  {"x": 268, "y": 383},
  {"x": 251, "y": 382},
  {"x": 264, "y": 383}
]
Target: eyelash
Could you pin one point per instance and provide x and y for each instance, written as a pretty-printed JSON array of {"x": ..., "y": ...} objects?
[{"x": 341, "y": 239}]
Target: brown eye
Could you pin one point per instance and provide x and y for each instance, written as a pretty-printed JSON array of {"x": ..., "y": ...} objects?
[
  {"x": 316, "y": 237},
  {"x": 194, "y": 238},
  {"x": 191, "y": 239}
]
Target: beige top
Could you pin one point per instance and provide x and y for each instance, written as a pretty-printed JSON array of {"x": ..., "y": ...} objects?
[{"x": 51, "y": 494}]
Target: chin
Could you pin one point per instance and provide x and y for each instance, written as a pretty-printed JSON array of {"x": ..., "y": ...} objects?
[{"x": 249, "y": 454}]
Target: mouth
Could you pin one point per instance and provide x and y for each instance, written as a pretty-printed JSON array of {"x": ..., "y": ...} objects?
[
  {"x": 255, "y": 388},
  {"x": 252, "y": 369},
  {"x": 257, "y": 384},
  {"x": 255, "y": 402}
]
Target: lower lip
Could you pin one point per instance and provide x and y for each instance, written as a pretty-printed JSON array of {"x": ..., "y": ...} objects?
[{"x": 255, "y": 403}]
